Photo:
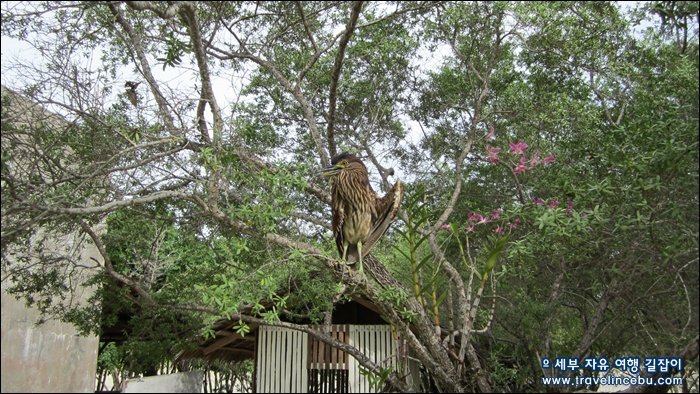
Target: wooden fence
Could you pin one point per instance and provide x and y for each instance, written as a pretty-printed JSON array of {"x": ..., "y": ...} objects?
[{"x": 295, "y": 362}]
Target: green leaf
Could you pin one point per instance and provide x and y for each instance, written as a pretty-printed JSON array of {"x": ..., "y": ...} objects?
[{"x": 494, "y": 253}]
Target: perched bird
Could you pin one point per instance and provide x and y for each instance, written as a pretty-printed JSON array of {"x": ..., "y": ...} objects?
[
  {"x": 131, "y": 92},
  {"x": 360, "y": 216}
]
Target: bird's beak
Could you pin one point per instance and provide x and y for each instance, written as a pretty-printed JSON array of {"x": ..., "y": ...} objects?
[{"x": 328, "y": 171}]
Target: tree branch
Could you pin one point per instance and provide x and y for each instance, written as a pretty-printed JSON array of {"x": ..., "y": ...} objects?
[
  {"x": 145, "y": 67},
  {"x": 335, "y": 76},
  {"x": 295, "y": 91}
]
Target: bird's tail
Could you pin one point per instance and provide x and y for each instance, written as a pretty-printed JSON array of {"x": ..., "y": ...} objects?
[{"x": 353, "y": 256}]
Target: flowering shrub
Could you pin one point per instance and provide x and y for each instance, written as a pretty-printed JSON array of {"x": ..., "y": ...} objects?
[
  {"x": 516, "y": 149},
  {"x": 554, "y": 216}
]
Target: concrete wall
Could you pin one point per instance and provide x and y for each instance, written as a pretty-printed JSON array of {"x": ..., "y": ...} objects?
[
  {"x": 50, "y": 357},
  {"x": 44, "y": 359}
]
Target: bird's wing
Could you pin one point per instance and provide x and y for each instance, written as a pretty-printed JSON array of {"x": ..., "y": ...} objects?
[
  {"x": 386, "y": 209},
  {"x": 132, "y": 96},
  {"x": 337, "y": 226}
]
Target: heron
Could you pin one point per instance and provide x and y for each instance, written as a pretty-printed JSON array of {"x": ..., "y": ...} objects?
[{"x": 360, "y": 216}]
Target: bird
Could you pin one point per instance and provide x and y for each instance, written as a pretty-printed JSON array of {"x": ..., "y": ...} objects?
[
  {"x": 131, "y": 92},
  {"x": 359, "y": 216}
]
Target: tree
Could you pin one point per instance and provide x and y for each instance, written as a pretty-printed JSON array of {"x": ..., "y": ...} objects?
[{"x": 550, "y": 158}]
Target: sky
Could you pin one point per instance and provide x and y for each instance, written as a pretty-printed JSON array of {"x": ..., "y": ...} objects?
[{"x": 227, "y": 88}]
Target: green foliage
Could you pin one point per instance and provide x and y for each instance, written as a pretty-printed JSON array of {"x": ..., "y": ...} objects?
[
  {"x": 412, "y": 248},
  {"x": 220, "y": 212},
  {"x": 175, "y": 50},
  {"x": 395, "y": 296},
  {"x": 376, "y": 380},
  {"x": 498, "y": 244},
  {"x": 108, "y": 357}
]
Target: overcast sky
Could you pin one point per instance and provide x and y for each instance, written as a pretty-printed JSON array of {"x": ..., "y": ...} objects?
[{"x": 226, "y": 87}]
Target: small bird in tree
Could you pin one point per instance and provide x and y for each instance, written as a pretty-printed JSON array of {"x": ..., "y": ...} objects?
[
  {"x": 360, "y": 216},
  {"x": 131, "y": 92}
]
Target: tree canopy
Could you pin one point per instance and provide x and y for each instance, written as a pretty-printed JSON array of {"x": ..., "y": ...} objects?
[{"x": 549, "y": 152}]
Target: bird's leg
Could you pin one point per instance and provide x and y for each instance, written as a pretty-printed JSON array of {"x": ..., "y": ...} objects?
[
  {"x": 345, "y": 250},
  {"x": 359, "y": 252}
]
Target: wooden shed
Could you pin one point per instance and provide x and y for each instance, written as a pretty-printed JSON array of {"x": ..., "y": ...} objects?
[{"x": 293, "y": 361}]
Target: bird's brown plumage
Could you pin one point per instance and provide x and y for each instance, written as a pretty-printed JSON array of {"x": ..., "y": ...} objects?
[
  {"x": 360, "y": 216},
  {"x": 131, "y": 92}
]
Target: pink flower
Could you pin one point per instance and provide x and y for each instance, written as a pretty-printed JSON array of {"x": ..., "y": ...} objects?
[
  {"x": 470, "y": 229},
  {"x": 491, "y": 135},
  {"x": 569, "y": 206},
  {"x": 484, "y": 220},
  {"x": 492, "y": 153},
  {"x": 554, "y": 204},
  {"x": 445, "y": 227},
  {"x": 548, "y": 159},
  {"x": 497, "y": 213},
  {"x": 518, "y": 149},
  {"x": 520, "y": 168},
  {"x": 514, "y": 225},
  {"x": 475, "y": 217},
  {"x": 535, "y": 160},
  {"x": 537, "y": 201},
  {"x": 498, "y": 231}
]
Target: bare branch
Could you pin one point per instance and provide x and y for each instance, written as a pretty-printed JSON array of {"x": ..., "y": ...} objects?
[
  {"x": 300, "y": 8},
  {"x": 114, "y": 205},
  {"x": 205, "y": 76},
  {"x": 108, "y": 263},
  {"x": 295, "y": 91},
  {"x": 356, "y": 9}
]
